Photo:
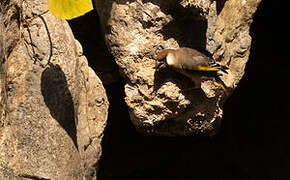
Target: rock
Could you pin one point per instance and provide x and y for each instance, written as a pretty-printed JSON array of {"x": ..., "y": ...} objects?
[
  {"x": 53, "y": 106},
  {"x": 164, "y": 103}
]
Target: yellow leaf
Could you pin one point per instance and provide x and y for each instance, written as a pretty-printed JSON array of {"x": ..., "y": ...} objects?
[{"x": 69, "y": 9}]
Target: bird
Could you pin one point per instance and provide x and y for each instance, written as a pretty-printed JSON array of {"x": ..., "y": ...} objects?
[{"x": 192, "y": 64}]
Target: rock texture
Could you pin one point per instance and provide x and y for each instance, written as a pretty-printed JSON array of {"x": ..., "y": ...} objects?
[
  {"x": 164, "y": 103},
  {"x": 53, "y": 106}
]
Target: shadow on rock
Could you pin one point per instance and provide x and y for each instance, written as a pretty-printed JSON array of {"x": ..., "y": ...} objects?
[{"x": 58, "y": 99}]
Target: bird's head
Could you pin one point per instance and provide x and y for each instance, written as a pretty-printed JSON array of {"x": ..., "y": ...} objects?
[
  {"x": 164, "y": 59},
  {"x": 161, "y": 64}
]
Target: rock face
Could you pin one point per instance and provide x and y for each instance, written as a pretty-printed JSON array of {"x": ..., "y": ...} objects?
[
  {"x": 164, "y": 103},
  {"x": 53, "y": 107}
]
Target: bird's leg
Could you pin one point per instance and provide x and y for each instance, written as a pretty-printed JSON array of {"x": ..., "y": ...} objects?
[{"x": 195, "y": 78}]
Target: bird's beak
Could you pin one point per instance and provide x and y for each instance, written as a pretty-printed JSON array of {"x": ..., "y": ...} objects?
[{"x": 160, "y": 64}]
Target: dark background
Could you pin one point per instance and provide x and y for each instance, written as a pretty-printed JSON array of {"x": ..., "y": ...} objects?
[{"x": 253, "y": 142}]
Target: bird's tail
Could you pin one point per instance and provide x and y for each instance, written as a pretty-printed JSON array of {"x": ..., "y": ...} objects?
[
  {"x": 213, "y": 68},
  {"x": 222, "y": 85},
  {"x": 219, "y": 67}
]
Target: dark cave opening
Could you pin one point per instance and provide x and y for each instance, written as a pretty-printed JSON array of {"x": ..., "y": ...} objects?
[{"x": 253, "y": 142}]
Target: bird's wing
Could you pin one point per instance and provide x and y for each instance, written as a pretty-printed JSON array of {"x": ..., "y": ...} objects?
[{"x": 196, "y": 61}]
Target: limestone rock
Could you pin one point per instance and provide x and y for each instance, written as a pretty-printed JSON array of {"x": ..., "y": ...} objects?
[
  {"x": 53, "y": 106},
  {"x": 164, "y": 103}
]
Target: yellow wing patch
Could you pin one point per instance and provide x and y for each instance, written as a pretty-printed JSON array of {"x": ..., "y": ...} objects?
[
  {"x": 69, "y": 9},
  {"x": 205, "y": 68}
]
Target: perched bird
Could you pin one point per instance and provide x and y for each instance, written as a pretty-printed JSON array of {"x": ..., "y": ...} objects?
[{"x": 191, "y": 63}]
